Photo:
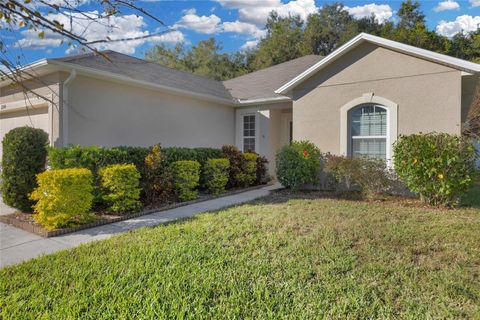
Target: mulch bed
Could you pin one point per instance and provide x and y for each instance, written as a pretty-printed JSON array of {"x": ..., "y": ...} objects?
[{"x": 25, "y": 221}]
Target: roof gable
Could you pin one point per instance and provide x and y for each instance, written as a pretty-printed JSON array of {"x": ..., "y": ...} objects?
[{"x": 389, "y": 44}]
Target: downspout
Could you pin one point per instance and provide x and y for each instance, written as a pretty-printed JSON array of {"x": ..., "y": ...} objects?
[{"x": 66, "y": 106}]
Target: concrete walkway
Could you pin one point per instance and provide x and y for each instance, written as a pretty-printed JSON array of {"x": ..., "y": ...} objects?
[{"x": 17, "y": 245}]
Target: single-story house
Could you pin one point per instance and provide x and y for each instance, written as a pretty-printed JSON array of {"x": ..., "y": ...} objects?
[{"x": 355, "y": 101}]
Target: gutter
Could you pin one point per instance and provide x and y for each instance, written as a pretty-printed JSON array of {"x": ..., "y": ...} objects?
[
  {"x": 65, "y": 105},
  {"x": 261, "y": 101}
]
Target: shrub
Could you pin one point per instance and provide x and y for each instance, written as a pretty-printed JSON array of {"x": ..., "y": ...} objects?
[
  {"x": 24, "y": 156},
  {"x": 438, "y": 166},
  {"x": 370, "y": 176},
  {"x": 249, "y": 173},
  {"x": 186, "y": 176},
  {"x": 298, "y": 164},
  {"x": 216, "y": 175},
  {"x": 121, "y": 183},
  {"x": 201, "y": 155},
  {"x": 64, "y": 197},
  {"x": 158, "y": 183},
  {"x": 237, "y": 164},
  {"x": 95, "y": 157},
  {"x": 261, "y": 170}
]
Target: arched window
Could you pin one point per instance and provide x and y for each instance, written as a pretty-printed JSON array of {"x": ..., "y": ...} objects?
[{"x": 368, "y": 131}]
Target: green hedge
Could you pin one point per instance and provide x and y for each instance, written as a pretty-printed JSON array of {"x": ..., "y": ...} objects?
[
  {"x": 438, "y": 166},
  {"x": 216, "y": 174},
  {"x": 121, "y": 182},
  {"x": 24, "y": 156},
  {"x": 186, "y": 176},
  {"x": 64, "y": 197},
  {"x": 298, "y": 164}
]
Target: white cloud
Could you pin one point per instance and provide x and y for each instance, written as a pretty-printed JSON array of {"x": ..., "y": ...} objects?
[
  {"x": 382, "y": 12},
  {"x": 257, "y": 11},
  {"x": 463, "y": 23},
  {"x": 475, "y": 3},
  {"x": 201, "y": 24},
  {"x": 243, "y": 28},
  {"x": 446, "y": 5},
  {"x": 114, "y": 28},
  {"x": 249, "y": 45}
]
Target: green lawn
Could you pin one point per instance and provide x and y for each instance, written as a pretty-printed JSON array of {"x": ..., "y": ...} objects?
[{"x": 281, "y": 257}]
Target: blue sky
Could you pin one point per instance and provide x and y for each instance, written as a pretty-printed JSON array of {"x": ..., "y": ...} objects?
[{"x": 236, "y": 24}]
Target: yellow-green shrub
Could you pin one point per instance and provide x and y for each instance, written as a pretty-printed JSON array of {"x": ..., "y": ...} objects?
[
  {"x": 216, "y": 174},
  {"x": 63, "y": 196},
  {"x": 249, "y": 172},
  {"x": 186, "y": 176},
  {"x": 121, "y": 182}
]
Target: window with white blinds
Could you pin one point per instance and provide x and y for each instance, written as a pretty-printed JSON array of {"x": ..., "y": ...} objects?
[
  {"x": 368, "y": 131},
  {"x": 249, "y": 133}
]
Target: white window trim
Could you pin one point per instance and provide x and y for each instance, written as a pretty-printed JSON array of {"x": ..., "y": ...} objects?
[
  {"x": 242, "y": 117},
  {"x": 392, "y": 121}
]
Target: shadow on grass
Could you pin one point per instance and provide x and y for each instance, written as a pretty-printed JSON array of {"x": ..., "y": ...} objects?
[{"x": 472, "y": 198}]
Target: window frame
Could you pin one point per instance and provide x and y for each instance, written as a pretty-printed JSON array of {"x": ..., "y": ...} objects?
[
  {"x": 352, "y": 137},
  {"x": 392, "y": 121},
  {"x": 255, "y": 130}
]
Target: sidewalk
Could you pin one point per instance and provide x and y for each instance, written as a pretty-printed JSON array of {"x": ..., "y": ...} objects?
[{"x": 17, "y": 245}]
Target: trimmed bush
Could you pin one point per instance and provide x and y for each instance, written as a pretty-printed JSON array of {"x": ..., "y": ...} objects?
[
  {"x": 237, "y": 164},
  {"x": 64, "y": 197},
  {"x": 262, "y": 170},
  {"x": 370, "y": 176},
  {"x": 95, "y": 157},
  {"x": 216, "y": 175},
  {"x": 439, "y": 167},
  {"x": 200, "y": 155},
  {"x": 24, "y": 156},
  {"x": 298, "y": 164},
  {"x": 121, "y": 182},
  {"x": 249, "y": 174},
  {"x": 158, "y": 182},
  {"x": 186, "y": 176}
]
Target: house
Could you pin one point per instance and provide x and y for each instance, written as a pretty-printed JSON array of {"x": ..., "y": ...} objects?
[{"x": 356, "y": 101}]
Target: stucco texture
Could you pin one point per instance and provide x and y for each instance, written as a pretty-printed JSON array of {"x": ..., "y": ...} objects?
[
  {"x": 110, "y": 114},
  {"x": 428, "y": 94}
]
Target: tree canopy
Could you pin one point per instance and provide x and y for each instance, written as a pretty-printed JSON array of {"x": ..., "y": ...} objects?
[{"x": 290, "y": 37}]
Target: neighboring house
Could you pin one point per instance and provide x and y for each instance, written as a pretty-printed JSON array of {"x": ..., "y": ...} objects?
[{"x": 356, "y": 101}]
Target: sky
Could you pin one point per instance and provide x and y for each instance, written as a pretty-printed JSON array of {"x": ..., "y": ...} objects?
[{"x": 236, "y": 24}]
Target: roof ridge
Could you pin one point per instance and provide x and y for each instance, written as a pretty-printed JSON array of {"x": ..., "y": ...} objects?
[{"x": 272, "y": 67}]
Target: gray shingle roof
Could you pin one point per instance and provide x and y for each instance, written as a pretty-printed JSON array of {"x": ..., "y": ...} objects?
[
  {"x": 263, "y": 83},
  {"x": 255, "y": 85},
  {"x": 142, "y": 70}
]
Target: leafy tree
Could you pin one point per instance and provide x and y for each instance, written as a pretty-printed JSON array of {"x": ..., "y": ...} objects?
[
  {"x": 410, "y": 15},
  {"x": 283, "y": 41},
  {"x": 328, "y": 29}
]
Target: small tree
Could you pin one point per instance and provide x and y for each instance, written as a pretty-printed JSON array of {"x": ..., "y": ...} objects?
[
  {"x": 438, "y": 166},
  {"x": 24, "y": 156}
]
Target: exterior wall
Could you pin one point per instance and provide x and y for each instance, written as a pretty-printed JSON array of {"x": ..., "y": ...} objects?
[
  {"x": 40, "y": 109},
  {"x": 469, "y": 84},
  {"x": 272, "y": 129},
  {"x": 428, "y": 95},
  {"x": 111, "y": 114}
]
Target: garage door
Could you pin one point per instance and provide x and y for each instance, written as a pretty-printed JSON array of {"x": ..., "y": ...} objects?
[{"x": 35, "y": 117}]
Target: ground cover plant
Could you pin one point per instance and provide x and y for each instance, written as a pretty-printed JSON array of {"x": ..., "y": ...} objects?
[{"x": 286, "y": 256}]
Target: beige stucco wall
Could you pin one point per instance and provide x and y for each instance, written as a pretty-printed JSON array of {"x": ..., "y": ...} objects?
[
  {"x": 271, "y": 127},
  {"x": 111, "y": 114},
  {"x": 428, "y": 94},
  {"x": 36, "y": 104}
]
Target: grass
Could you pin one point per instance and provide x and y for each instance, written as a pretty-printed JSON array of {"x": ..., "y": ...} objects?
[{"x": 285, "y": 256}]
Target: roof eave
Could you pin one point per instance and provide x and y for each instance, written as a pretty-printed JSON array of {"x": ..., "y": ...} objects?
[
  {"x": 261, "y": 101},
  {"x": 456, "y": 63},
  {"x": 124, "y": 79}
]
